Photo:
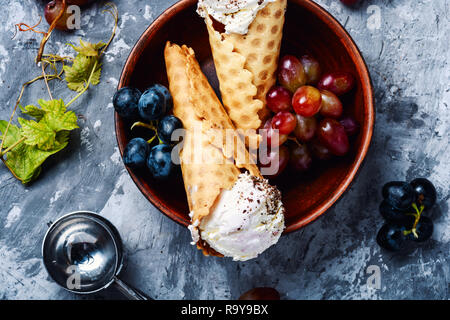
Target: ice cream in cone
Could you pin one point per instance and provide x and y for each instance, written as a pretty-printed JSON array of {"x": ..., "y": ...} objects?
[
  {"x": 232, "y": 213},
  {"x": 245, "y": 38}
]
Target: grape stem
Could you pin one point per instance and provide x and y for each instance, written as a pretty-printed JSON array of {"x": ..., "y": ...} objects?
[
  {"x": 295, "y": 140},
  {"x": 46, "y": 82},
  {"x": 417, "y": 216},
  {"x": 49, "y": 32},
  {"x": 15, "y": 144},
  {"x": 20, "y": 25},
  {"x": 85, "y": 87},
  {"x": 49, "y": 77},
  {"x": 113, "y": 11},
  {"x": 150, "y": 126},
  {"x": 149, "y": 141}
]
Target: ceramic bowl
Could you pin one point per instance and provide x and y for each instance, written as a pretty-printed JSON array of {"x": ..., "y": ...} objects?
[{"x": 309, "y": 29}]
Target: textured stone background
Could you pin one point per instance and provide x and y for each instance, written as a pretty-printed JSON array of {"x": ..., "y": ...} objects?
[{"x": 405, "y": 44}]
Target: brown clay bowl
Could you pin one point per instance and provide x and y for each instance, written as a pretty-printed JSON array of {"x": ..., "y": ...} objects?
[{"x": 308, "y": 29}]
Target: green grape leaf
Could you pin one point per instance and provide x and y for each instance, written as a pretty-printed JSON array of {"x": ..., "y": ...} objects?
[
  {"x": 53, "y": 118},
  {"x": 88, "y": 49},
  {"x": 33, "y": 111},
  {"x": 12, "y": 136},
  {"x": 78, "y": 74},
  {"x": 37, "y": 140},
  {"x": 54, "y": 106},
  {"x": 37, "y": 133},
  {"x": 56, "y": 117},
  {"x": 25, "y": 161},
  {"x": 26, "y": 147}
]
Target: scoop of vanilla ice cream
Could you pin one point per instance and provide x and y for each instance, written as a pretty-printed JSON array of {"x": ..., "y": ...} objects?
[
  {"x": 235, "y": 15},
  {"x": 245, "y": 220}
]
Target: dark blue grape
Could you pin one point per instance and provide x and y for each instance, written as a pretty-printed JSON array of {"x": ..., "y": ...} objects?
[
  {"x": 167, "y": 126},
  {"x": 399, "y": 194},
  {"x": 390, "y": 213},
  {"x": 425, "y": 192},
  {"x": 135, "y": 153},
  {"x": 399, "y": 217},
  {"x": 407, "y": 222},
  {"x": 159, "y": 161},
  {"x": 424, "y": 230},
  {"x": 391, "y": 237},
  {"x": 152, "y": 104},
  {"x": 126, "y": 102},
  {"x": 166, "y": 94}
]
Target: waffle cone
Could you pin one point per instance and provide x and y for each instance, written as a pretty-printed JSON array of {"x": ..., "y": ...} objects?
[
  {"x": 246, "y": 65},
  {"x": 216, "y": 167}
]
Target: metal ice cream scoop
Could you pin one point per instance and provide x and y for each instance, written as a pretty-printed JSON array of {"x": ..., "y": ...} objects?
[{"x": 83, "y": 253}]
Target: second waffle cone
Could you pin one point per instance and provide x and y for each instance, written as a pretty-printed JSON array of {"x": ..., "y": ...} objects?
[{"x": 246, "y": 65}]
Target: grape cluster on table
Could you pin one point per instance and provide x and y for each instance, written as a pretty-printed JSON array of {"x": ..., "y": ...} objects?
[
  {"x": 308, "y": 115},
  {"x": 149, "y": 110},
  {"x": 402, "y": 208}
]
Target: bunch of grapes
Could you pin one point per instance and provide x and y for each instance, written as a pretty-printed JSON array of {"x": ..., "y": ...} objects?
[
  {"x": 309, "y": 113},
  {"x": 402, "y": 208},
  {"x": 149, "y": 110}
]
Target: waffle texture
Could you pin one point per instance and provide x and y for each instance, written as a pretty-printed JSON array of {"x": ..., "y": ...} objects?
[{"x": 246, "y": 65}]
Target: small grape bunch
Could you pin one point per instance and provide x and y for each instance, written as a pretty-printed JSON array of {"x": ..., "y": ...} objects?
[
  {"x": 402, "y": 208},
  {"x": 149, "y": 110},
  {"x": 308, "y": 120}
]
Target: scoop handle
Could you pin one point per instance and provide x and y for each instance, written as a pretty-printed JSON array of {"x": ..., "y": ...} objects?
[{"x": 128, "y": 291}]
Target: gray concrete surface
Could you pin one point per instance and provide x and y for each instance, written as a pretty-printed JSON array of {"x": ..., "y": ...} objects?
[{"x": 405, "y": 44}]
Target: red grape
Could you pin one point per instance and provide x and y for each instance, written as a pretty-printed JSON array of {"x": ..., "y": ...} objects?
[
  {"x": 305, "y": 128},
  {"x": 332, "y": 134},
  {"x": 291, "y": 74},
  {"x": 319, "y": 150},
  {"x": 300, "y": 158},
  {"x": 284, "y": 121},
  {"x": 274, "y": 161},
  {"x": 331, "y": 105},
  {"x": 349, "y": 2},
  {"x": 54, "y": 7},
  {"x": 350, "y": 125},
  {"x": 306, "y": 101},
  {"x": 279, "y": 99},
  {"x": 263, "y": 293},
  {"x": 312, "y": 69},
  {"x": 337, "y": 82},
  {"x": 51, "y": 12},
  {"x": 270, "y": 134}
]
